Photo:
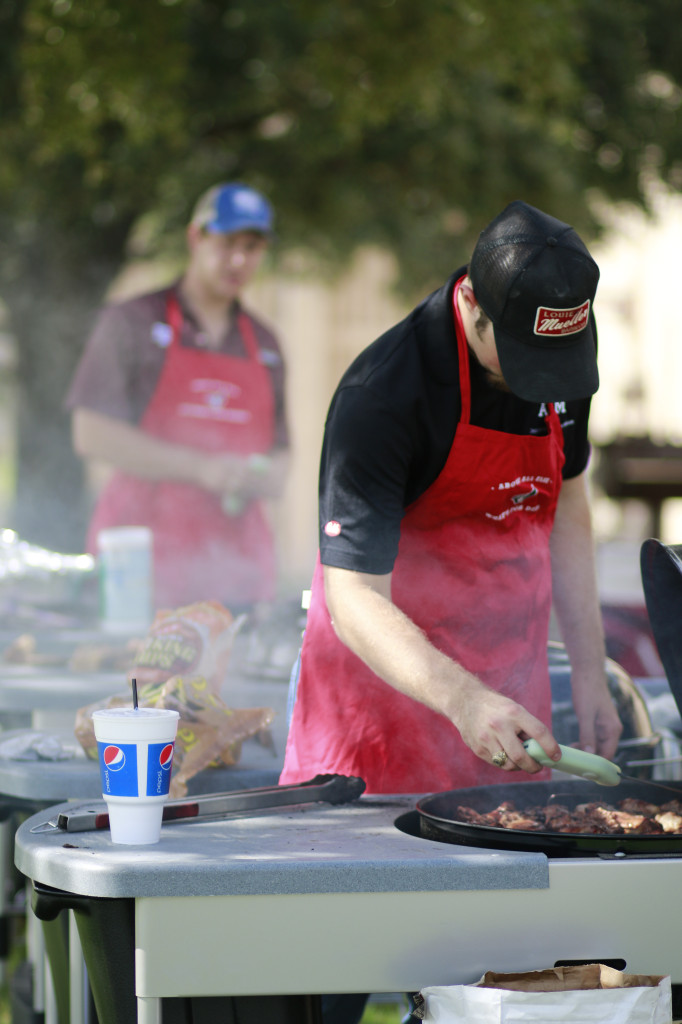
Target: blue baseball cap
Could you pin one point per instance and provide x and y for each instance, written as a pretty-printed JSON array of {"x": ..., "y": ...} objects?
[{"x": 224, "y": 209}]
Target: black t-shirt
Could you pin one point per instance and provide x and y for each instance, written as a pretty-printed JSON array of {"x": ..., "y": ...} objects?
[{"x": 391, "y": 424}]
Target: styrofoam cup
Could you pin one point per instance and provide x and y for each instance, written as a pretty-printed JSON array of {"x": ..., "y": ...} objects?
[
  {"x": 124, "y": 558},
  {"x": 135, "y": 747}
]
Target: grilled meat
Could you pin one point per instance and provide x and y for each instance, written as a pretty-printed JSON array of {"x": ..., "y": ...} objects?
[{"x": 628, "y": 817}]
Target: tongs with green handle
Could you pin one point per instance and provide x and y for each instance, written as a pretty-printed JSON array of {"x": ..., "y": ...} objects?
[
  {"x": 578, "y": 762},
  {"x": 589, "y": 766}
]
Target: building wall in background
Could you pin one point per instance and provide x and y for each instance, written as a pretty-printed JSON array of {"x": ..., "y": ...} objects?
[
  {"x": 322, "y": 327},
  {"x": 640, "y": 348}
]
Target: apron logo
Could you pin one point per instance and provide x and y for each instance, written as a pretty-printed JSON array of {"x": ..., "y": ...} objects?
[
  {"x": 518, "y": 501},
  {"x": 213, "y": 402},
  {"x": 518, "y": 498},
  {"x": 332, "y": 528}
]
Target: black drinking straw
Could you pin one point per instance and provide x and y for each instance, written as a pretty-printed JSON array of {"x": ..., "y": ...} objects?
[{"x": 134, "y": 681}]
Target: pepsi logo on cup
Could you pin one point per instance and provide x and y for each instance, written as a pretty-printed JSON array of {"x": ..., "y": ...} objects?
[
  {"x": 159, "y": 764},
  {"x": 114, "y": 758},
  {"x": 118, "y": 768}
]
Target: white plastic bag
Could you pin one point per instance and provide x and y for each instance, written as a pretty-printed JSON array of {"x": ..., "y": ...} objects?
[{"x": 594, "y": 994}]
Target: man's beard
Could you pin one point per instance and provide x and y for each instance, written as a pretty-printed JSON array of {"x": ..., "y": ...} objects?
[{"x": 495, "y": 380}]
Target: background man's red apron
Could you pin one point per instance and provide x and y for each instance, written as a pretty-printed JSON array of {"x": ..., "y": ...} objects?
[{"x": 214, "y": 403}]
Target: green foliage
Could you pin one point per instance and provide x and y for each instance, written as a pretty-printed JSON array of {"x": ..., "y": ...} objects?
[
  {"x": 365, "y": 120},
  {"x": 392, "y": 122},
  {"x": 381, "y": 1013}
]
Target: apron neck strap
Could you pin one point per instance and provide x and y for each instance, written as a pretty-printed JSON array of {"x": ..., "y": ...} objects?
[
  {"x": 551, "y": 416},
  {"x": 463, "y": 350},
  {"x": 174, "y": 317},
  {"x": 248, "y": 333},
  {"x": 246, "y": 329}
]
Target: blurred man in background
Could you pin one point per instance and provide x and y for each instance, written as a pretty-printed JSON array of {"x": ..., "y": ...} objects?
[{"x": 181, "y": 392}]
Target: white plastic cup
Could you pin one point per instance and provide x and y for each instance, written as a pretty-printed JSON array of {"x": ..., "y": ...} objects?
[
  {"x": 124, "y": 558},
  {"x": 135, "y": 747}
]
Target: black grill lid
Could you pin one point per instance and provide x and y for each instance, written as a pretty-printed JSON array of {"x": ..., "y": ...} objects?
[{"x": 661, "y": 567}]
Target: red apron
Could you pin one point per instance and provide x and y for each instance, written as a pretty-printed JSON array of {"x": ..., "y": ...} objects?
[
  {"x": 473, "y": 571},
  {"x": 214, "y": 403}
]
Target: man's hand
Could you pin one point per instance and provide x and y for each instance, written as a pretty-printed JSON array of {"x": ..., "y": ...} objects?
[
  {"x": 600, "y": 726},
  {"x": 489, "y": 723},
  {"x": 220, "y": 474},
  {"x": 239, "y": 479}
]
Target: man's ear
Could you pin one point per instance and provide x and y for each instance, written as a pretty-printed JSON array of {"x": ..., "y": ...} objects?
[
  {"x": 467, "y": 293},
  {"x": 194, "y": 233}
]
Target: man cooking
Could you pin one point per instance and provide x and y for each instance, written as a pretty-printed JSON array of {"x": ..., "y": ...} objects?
[
  {"x": 453, "y": 511},
  {"x": 181, "y": 392}
]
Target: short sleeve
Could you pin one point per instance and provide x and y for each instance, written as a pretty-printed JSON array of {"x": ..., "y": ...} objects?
[
  {"x": 575, "y": 421},
  {"x": 364, "y": 470},
  {"x": 273, "y": 359},
  {"x": 102, "y": 381}
]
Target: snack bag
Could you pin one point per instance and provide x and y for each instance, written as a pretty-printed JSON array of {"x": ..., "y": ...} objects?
[
  {"x": 181, "y": 665},
  {"x": 209, "y": 732},
  {"x": 195, "y": 640}
]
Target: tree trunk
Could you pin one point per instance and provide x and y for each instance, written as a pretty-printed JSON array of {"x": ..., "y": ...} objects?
[{"x": 51, "y": 506}]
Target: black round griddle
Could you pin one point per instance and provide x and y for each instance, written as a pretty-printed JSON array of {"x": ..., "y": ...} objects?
[
  {"x": 661, "y": 568},
  {"x": 438, "y": 818}
]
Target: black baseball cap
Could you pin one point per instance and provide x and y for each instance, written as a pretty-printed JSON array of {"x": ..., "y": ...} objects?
[{"x": 536, "y": 281}]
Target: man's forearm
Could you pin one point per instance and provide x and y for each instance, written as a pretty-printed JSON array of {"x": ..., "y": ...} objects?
[
  {"x": 574, "y": 583},
  {"x": 366, "y": 620},
  {"x": 126, "y": 447},
  {"x": 396, "y": 650},
  {"x": 576, "y": 603}
]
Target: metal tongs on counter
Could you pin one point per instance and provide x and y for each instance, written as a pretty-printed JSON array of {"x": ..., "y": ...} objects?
[{"x": 331, "y": 789}]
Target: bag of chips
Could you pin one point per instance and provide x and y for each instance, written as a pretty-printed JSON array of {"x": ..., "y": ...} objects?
[
  {"x": 181, "y": 665},
  {"x": 195, "y": 640},
  {"x": 210, "y": 734}
]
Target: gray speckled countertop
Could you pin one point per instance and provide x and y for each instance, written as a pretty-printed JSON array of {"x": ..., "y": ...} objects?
[
  {"x": 27, "y": 688},
  {"x": 307, "y": 849}
]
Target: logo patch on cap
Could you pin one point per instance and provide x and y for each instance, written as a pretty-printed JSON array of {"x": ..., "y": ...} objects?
[
  {"x": 557, "y": 323},
  {"x": 247, "y": 201}
]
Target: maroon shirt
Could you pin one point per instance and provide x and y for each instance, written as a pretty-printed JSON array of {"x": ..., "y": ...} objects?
[{"x": 124, "y": 355}]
